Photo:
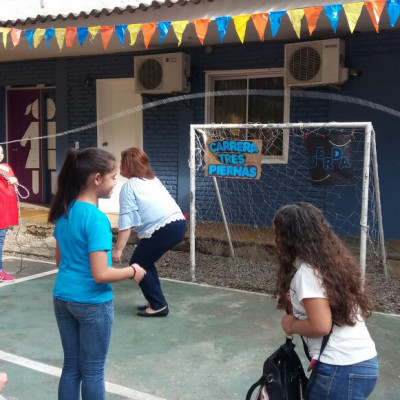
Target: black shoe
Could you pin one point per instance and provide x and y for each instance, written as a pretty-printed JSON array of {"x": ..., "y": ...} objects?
[
  {"x": 163, "y": 313},
  {"x": 143, "y": 307}
]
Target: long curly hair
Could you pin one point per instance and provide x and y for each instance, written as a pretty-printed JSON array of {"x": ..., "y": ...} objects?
[{"x": 302, "y": 231}]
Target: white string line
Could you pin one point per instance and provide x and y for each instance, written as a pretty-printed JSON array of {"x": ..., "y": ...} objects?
[{"x": 257, "y": 92}]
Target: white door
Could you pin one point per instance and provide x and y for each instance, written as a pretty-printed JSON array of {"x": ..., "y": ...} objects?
[{"x": 122, "y": 131}]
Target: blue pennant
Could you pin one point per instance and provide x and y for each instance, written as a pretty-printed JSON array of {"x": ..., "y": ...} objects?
[
  {"x": 163, "y": 27},
  {"x": 48, "y": 35},
  {"x": 275, "y": 18},
  {"x": 222, "y": 25},
  {"x": 82, "y": 32},
  {"x": 333, "y": 14},
  {"x": 120, "y": 31}
]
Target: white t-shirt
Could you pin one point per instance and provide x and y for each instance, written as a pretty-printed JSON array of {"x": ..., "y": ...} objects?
[{"x": 347, "y": 344}]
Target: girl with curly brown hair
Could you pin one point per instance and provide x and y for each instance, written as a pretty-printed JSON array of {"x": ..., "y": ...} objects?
[{"x": 319, "y": 285}]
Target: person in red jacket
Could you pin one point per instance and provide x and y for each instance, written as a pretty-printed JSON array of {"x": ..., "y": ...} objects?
[{"x": 8, "y": 208}]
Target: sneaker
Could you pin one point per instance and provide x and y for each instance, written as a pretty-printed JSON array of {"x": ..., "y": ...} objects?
[{"x": 5, "y": 277}]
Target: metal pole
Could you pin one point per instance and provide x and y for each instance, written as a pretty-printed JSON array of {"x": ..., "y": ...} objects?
[
  {"x": 364, "y": 204},
  {"x": 192, "y": 166},
  {"x": 221, "y": 205},
  {"x": 378, "y": 204}
]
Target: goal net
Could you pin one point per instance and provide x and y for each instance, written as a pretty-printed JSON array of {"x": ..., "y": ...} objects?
[{"x": 330, "y": 165}]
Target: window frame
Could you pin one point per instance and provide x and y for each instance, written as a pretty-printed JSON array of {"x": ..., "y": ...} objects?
[{"x": 212, "y": 76}]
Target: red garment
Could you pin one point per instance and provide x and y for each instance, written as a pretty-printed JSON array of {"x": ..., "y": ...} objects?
[{"x": 8, "y": 198}]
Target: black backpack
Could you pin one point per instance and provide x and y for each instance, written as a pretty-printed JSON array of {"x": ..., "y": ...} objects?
[{"x": 283, "y": 376}]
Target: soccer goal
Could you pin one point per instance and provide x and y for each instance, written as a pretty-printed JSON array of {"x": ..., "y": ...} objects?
[{"x": 241, "y": 174}]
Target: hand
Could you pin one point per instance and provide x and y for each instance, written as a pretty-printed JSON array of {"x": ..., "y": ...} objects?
[
  {"x": 12, "y": 180},
  {"x": 3, "y": 380},
  {"x": 116, "y": 255},
  {"x": 140, "y": 273},
  {"x": 287, "y": 323}
]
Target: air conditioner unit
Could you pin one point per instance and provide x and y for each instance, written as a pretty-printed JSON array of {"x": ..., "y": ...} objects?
[
  {"x": 315, "y": 63},
  {"x": 162, "y": 73}
]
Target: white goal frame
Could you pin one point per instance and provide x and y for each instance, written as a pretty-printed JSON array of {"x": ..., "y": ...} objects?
[{"x": 369, "y": 149}]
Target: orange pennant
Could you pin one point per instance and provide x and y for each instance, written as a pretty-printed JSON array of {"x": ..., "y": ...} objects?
[
  {"x": 15, "y": 36},
  {"x": 375, "y": 9},
  {"x": 148, "y": 32},
  {"x": 70, "y": 36},
  {"x": 201, "y": 26},
  {"x": 106, "y": 33},
  {"x": 312, "y": 15},
  {"x": 260, "y": 23}
]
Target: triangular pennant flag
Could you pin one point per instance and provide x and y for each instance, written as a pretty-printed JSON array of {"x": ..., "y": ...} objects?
[
  {"x": 93, "y": 31},
  {"x": 29, "y": 36},
  {"x": 375, "y": 9},
  {"x": 48, "y": 36},
  {"x": 312, "y": 16},
  {"x": 163, "y": 27},
  {"x": 222, "y": 26},
  {"x": 295, "y": 17},
  {"x": 260, "y": 23},
  {"x": 83, "y": 33},
  {"x": 106, "y": 33},
  {"x": 353, "y": 12},
  {"x": 15, "y": 36},
  {"x": 133, "y": 30},
  {"x": 333, "y": 14},
  {"x": 201, "y": 26},
  {"x": 148, "y": 32},
  {"x": 275, "y": 18},
  {"x": 38, "y": 36},
  {"x": 179, "y": 28},
  {"x": 5, "y": 32},
  {"x": 60, "y": 36},
  {"x": 120, "y": 31},
  {"x": 240, "y": 22},
  {"x": 393, "y": 8},
  {"x": 70, "y": 35}
]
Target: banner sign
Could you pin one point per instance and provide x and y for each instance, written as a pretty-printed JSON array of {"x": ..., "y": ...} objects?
[
  {"x": 329, "y": 159},
  {"x": 233, "y": 158}
]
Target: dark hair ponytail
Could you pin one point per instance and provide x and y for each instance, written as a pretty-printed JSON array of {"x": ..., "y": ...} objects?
[{"x": 77, "y": 168}]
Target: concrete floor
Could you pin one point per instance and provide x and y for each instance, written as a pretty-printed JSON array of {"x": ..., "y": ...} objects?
[{"x": 211, "y": 346}]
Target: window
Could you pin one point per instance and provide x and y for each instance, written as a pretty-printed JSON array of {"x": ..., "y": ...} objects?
[{"x": 244, "y": 105}]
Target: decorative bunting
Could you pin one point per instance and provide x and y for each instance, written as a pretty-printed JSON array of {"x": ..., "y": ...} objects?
[
  {"x": 312, "y": 16},
  {"x": 295, "y": 17},
  {"x": 120, "y": 30},
  {"x": 60, "y": 36},
  {"x": 83, "y": 33},
  {"x": 29, "y": 36},
  {"x": 179, "y": 28},
  {"x": 38, "y": 36},
  {"x": 93, "y": 31},
  {"x": 333, "y": 14},
  {"x": 15, "y": 36},
  {"x": 393, "y": 8},
  {"x": 163, "y": 27},
  {"x": 240, "y": 22},
  {"x": 275, "y": 18},
  {"x": 106, "y": 33},
  {"x": 70, "y": 35},
  {"x": 148, "y": 32},
  {"x": 375, "y": 9},
  {"x": 260, "y": 22},
  {"x": 5, "y": 32},
  {"x": 353, "y": 12},
  {"x": 222, "y": 26},
  {"x": 133, "y": 30},
  {"x": 201, "y": 26},
  {"x": 48, "y": 36}
]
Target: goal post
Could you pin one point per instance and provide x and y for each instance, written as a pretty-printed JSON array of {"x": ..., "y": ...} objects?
[{"x": 294, "y": 155}]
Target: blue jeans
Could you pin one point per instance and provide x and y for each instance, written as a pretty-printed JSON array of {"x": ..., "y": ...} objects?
[
  {"x": 148, "y": 251},
  {"x": 2, "y": 238},
  {"x": 347, "y": 382},
  {"x": 85, "y": 331}
]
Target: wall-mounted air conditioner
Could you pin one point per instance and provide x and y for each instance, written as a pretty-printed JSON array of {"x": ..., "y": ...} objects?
[
  {"x": 162, "y": 73},
  {"x": 315, "y": 63}
]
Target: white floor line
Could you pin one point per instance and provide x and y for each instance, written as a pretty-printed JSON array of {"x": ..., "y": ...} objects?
[
  {"x": 2, "y": 398},
  {"x": 29, "y": 259},
  {"x": 54, "y": 371},
  {"x": 28, "y": 278}
]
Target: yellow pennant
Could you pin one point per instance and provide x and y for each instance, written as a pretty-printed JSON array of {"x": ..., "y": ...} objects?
[
  {"x": 295, "y": 17},
  {"x": 38, "y": 36},
  {"x": 60, "y": 36},
  {"x": 353, "y": 11},
  {"x": 179, "y": 28},
  {"x": 133, "y": 30},
  {"x": 93, "y": 31},
  {"x": 5, "y": 35},
  {"x": 240, "y": 22}
]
